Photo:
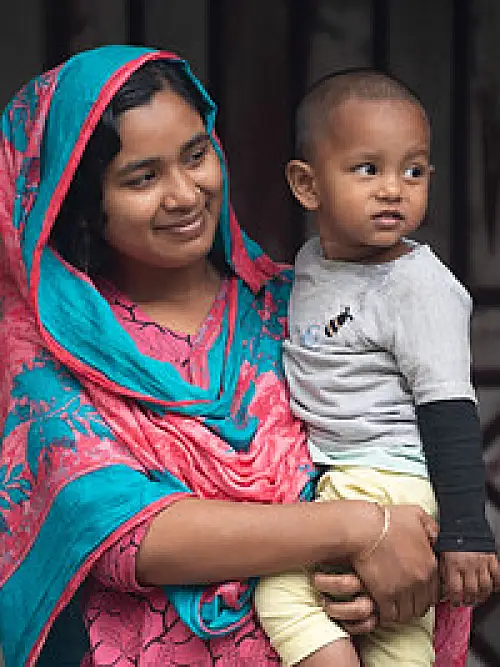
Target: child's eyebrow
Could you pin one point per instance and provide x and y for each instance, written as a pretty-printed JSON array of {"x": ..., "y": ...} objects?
[
  {"x": 365, "y": 158},
  {"x": 364, "y": 155},
  {"x": 421, "y": 151}
]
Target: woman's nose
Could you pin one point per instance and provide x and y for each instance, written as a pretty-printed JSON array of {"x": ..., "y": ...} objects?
[{"x": 181, "y": 191}]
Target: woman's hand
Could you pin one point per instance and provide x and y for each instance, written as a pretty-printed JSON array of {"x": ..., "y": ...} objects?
[
  {"x": 401, "y": 573},
  {"x": 358, "y": 615}
]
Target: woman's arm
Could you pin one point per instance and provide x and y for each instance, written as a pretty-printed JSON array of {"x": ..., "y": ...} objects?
[{"x": 204, "y": 541}]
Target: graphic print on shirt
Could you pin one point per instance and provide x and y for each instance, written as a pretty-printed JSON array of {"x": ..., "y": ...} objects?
[
  {"x": 314, "y": 333},
  {"x": 333, "y": 325}
]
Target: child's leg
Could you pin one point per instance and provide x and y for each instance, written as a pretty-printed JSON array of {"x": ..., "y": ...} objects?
[
  {"x": 409, "y": 645},
  {"x": 290, "y": 611},
  {"x": 337, "y": 654}
]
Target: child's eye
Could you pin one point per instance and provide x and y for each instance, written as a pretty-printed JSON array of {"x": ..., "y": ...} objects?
[
  {"x": 415, "y": 171},
  {"x": 365, "y": 169}
]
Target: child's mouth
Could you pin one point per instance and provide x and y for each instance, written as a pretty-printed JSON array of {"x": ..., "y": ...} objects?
[{"x": 388, "y": 219}]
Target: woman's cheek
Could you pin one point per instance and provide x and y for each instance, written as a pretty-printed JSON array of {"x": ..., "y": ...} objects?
[{"x": 133, "y": 206}]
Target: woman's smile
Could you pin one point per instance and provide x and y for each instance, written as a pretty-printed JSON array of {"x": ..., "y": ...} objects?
[{"x": 189, "y": 228}]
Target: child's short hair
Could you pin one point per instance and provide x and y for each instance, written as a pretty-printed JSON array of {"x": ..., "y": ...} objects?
[{"x": 365, "y": 83}]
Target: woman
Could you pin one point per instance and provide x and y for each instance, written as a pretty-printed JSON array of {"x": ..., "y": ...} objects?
[{"x": 148, "y": 451}]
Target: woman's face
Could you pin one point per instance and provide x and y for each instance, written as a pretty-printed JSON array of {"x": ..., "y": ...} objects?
[{"x": 162, "y": 192}]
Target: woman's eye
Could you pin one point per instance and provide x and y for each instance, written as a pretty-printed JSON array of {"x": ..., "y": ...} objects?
[
  {"x": 142, "y": 180},
  {"x": 415, "y": 171},
  {"x": 365, "y": 169},
  {"x": 197, "y": 154}
]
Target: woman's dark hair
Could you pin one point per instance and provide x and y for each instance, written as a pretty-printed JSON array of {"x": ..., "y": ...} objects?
[{"x": 78, "y": 232}]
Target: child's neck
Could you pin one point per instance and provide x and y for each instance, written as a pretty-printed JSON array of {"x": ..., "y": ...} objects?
[{"x": 368, "y": 255}]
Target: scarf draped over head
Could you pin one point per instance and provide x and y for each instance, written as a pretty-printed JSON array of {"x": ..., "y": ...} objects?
[{"x": 96, "y": 436}]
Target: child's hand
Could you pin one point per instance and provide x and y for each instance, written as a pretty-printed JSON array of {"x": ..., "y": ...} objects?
[{"x": 468, "y": 578}]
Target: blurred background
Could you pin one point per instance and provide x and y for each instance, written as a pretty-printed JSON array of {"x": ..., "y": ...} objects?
[{"x": 257, "y": 58}]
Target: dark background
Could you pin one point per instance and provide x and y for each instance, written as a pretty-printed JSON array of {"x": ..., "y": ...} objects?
[{"x": 256, "y": 58}]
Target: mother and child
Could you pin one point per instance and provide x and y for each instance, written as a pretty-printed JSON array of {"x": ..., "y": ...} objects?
[{"x": 165, "y": 421}]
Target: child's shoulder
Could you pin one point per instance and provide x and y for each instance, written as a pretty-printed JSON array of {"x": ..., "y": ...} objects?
[{"x": 422, "y": 271}]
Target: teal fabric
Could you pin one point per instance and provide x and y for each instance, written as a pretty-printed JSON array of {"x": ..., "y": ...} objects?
[
  {"x": 52, "y": 561},
  {"x": 211, "y": 617}
]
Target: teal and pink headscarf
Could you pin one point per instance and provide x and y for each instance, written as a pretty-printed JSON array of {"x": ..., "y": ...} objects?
[{"x": 96, "y": 436}]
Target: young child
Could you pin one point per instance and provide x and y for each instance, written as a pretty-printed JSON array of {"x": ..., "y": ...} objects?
[{"x": 378, "y": 360}]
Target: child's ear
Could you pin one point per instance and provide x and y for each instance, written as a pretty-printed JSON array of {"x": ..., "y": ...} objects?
[{"x": 302, "y": 181}]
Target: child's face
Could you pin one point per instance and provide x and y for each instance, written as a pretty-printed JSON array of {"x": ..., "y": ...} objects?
[{"x": 371, "y": 178}]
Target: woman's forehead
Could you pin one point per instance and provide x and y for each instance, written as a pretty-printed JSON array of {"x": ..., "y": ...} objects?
[{"x": 165, "y": 124}]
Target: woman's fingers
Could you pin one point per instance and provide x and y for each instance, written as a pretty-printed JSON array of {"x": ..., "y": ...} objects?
[
  {"x": 356, "y": 617},
  {"x": 427, "y": 594},
  {"x": 401, "y": 574},
  {"x": 346, "y": 603},
  {"x": 430, "y": 527},
  {"x": 338, "y": 585}
]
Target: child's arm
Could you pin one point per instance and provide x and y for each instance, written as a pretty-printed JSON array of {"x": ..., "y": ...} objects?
[
  {"x": 451, "y": 438},
  {"x": 431, "y": 313}
]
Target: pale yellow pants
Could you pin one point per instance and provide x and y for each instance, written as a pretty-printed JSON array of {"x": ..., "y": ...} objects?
[{"x": 290, "y": 609}]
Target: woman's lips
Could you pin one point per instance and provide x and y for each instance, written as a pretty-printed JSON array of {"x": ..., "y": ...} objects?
[{"x": 189, "y": 228}]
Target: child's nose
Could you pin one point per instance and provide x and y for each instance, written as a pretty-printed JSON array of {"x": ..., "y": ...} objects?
[{"x": 390, "y": 187}]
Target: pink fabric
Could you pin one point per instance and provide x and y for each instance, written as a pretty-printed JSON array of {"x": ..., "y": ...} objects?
[
  {"x": 451, "y": 636},
  {"x": 187, "y": 353},
  {"x": 199, "y": 458},
  {"x": 128, "y": 623},
  {"x": 115, "y": 569}
]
